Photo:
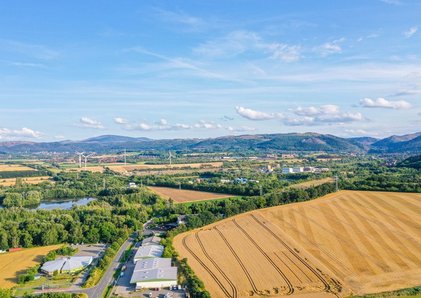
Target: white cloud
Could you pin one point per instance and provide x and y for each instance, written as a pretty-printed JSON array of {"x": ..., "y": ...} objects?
[
  {"x": 164, "y": 125},
  {"x": 207, "y": 124},
  {"x": 325, "y": 114},
  {"x": 24, "y": 132},
  {"x": 284, "y": 52},
  {"x": 330, "y": 48},
  {"x": 384, "y": 103},
  {"x": 241, "y": 128},
  {"x": 357, "y": 132},
  {"x": 238, "y": 42},
  {"x": 410, "y": 32},
  {"x": 121, "y": 121},
  {"x": 90, "y": 123},
  {"x": 256, "y": 115},
  {"x": 163, "y": 121}
]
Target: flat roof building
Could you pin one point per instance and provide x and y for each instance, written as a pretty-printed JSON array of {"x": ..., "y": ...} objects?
[
  {"x": 154, "y": 240},
  {"x": 148, "y": 251},
  {"x": 154, "y": 273}
]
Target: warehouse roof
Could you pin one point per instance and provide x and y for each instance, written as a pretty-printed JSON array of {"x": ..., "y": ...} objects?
[
  {"x": 151, "y": 240},
  {"x": 152, "y": 263},
  {"x": 169, "y": 273},
  {"x": 66, "y": 264},
  {"x": 149, "y": 251}
]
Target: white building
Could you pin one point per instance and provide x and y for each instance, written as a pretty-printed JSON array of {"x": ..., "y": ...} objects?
[
  {"x": 66, "y": 265},
  {"x": 297, "y": 169},
  {"x": 154, "y": 240},
  {"x": 286, "y": 170},
  {"x": 148, "y": 251},
  {"x": 181, "y": 219},
  {"x": 154, "y": 273},
  {"x": 132, "y": 185}
]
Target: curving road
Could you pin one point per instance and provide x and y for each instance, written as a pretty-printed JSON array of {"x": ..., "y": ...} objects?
[{"x": 98, "y": 290}]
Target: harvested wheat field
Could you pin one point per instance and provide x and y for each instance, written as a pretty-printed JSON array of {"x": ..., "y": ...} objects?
[
  {"x": 312, "y": 183},
  {"x": 145, "y": 167},
  {"x": 14, "y": 263},
  {"x": 27, "y": 180},
  {"x": 343, "y": 243},
  {"x": 13, "y": 168},
  {"x": 183, "y": 195}
]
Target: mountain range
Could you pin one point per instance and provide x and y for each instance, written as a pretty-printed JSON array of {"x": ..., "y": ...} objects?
[{"x": 410, "y": 143}]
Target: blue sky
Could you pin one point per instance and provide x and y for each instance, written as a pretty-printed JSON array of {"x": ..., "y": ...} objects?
[{"x": 171, "y": 69}]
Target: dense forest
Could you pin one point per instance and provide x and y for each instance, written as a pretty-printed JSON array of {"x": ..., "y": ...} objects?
[{"x": 101, "y": 221}]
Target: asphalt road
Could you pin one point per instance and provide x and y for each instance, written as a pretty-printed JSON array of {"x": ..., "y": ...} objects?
[{"x": 107, "y": 278}]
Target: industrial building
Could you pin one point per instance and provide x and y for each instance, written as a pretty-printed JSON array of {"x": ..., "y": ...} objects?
[
  {"x": 164, "y": 277},
  {"x": 153, "y": 272},
  {"x": 154, "y": 240},
  {"x": 66, "y": 265},
  {"x": 148, "y": 251}
]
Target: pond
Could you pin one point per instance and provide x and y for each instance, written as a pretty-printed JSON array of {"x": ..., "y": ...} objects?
[{"x": 61, "y": 204}]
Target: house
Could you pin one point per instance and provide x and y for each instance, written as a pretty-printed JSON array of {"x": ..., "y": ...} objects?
[
  {"x": 66, "y": 265},
  {"x": 297, "y": 169},
  {"x": 240, "y": 180},
  {"x": 154, "y": 273},
  {"x": 132, "y": 185},
  {"x": 153, "y": 240},
  {"x": 286, "y": 170},
  {"x": 149, "y": 251},
  {"x": 181, "y": 219}
]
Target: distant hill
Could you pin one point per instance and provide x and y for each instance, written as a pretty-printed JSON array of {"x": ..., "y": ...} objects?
[
  {"x": 410, "y": 143},
  {"x": 366, "y": 142},
  {"x": 411, "y": 162},
  {"x": 113, "y": 139},
  {"x": 304, "y": 142}
]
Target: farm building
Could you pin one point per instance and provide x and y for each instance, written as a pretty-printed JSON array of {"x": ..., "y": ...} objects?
[
  {"x": 154, "y": 240},
  {"x": 148, "y": 251},
  {"x": 154, "y": 273},
  {"x": 286, "y": 170},
  {"x": 66, "y": 265},
  {"x": 297, "y": 169}
]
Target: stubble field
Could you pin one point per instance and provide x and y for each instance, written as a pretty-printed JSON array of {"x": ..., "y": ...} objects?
[
  {"x": 184, "y": 195},
  {"x": 17, "y": 262},
  {"x": 344, "y": 243},
  {"x": 27, "y": 180},
  {"x": 14, "y": 167}
]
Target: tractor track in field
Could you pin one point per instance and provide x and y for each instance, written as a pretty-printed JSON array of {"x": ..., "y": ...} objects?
[
  {"x": 206, "y": 268},
  {"x": 289, "y": 268},
  {"x": 282, "y": 274},
  {"x": 250, "y": 279},
  {"x": 232, "y": 285},
  {"x": 319, "y": 276}
]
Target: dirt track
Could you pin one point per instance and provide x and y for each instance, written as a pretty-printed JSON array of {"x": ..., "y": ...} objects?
[{"x": 360, "y": 242}]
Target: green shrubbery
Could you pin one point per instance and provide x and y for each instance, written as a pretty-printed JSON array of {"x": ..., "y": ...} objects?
[
  {"x": 62, "y": 251},
  {"x": 29, "y": 275}
]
